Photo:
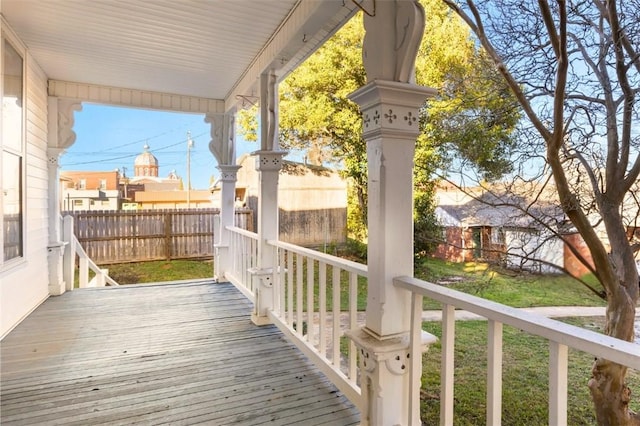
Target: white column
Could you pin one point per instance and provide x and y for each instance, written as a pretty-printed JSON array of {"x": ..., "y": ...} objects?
[
  {"x": 222, "y": 261},
  {"x": 60, "y": 135},
  {"x": 268, "y": 164},
  {"x": 390, "y": 104},
  {"x": 55, "y": 247},
  {"x": 222, "y": 146},
  {"x": 390, "y": 128}
]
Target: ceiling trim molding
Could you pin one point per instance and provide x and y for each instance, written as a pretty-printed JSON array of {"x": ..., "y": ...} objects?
[
  {"x": 308, "y": 25},
  {"x": 133, "y": 98}
]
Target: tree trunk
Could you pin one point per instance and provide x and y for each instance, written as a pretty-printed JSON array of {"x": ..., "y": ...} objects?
[
  {"x": 608, "y": 387},
  {"x": 611, "y": 395}
]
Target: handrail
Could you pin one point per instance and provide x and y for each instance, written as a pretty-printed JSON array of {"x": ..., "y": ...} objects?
[
  {"x": 601, "y": 345},
  {"x": 74, "y": 249},
  {"x": 244, "y": 256},
  {"x": 345, "y": 264},
  {"x": 561, "y": 336},
  {"x": 242, "y": 232},
  {"x": 101, "y": 277}
]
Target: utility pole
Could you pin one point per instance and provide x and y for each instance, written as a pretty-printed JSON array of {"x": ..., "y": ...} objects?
[{"x": 189, "y": 146}]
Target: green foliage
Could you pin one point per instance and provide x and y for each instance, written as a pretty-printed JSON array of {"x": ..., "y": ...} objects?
[{"x": 472, "y": 116}]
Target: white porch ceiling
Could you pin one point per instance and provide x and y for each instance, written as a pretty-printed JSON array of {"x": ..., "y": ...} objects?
[{"x": 204, "y": 48}]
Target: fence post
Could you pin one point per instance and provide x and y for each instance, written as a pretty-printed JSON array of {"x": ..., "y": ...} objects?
[
  {"x": 69, "y": 260},
  {"x": 168, "y": 226}
]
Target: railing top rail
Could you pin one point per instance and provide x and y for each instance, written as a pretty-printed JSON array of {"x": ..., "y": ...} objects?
[
  {"x": 243, "y": 232},
  {"x": 616, "y": 350},
  {"x": 345, "y": 264}
]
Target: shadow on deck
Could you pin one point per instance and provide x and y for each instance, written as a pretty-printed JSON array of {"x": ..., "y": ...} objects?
[{"x": 182, "y": 353}]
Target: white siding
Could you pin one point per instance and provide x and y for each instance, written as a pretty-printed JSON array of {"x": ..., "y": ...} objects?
[
  {"x": 25, "y": 286},
  {"x": 530, "y": 251}
]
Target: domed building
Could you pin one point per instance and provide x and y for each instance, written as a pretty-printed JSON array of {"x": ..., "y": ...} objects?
[
  {"x": 146, "y": 164},
  {"x": 147, "y": 190}
]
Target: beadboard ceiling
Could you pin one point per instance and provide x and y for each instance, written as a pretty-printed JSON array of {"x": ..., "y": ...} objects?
[{"x": 205, "y": 48}]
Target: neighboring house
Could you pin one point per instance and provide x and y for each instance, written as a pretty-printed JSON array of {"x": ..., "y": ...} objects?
[
  {"x": 90, "y": 190},
  {"x": 495, "y": 228},
  {"x": 100, "y": 190},
  {"x": 147, "y": 190},
  {"x": 312, "y": 201},
  {"x": 173, "y": 199}
]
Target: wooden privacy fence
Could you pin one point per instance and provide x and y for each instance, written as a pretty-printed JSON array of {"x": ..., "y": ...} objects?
[{"x": 141, "y": 235}]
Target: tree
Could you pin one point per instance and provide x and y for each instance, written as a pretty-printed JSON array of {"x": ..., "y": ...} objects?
[
  {"x": 574, "y": 67},
  {"x": 315, "y": 111}
]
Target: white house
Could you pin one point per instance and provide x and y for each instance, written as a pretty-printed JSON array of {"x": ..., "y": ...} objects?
[
  {"x": 208, "y": 58},
  {"x": 201, "y": 58}
]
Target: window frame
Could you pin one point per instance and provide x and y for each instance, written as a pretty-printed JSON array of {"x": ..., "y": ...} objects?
[{"x": 21, "y": 152}]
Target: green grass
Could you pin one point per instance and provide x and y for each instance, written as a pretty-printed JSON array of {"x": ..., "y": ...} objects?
[
  {"x": 519, "y": 290},
  {"x": 479, "y": 279},
  {"x": 158, "y": 271},
  {"x": 525, "y": 377}
]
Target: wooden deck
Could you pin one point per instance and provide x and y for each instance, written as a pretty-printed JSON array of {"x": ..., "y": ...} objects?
[{"x": 173, "y": 354}]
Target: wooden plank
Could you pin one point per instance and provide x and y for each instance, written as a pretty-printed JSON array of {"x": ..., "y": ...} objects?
[{"x": 159, "y": 354}]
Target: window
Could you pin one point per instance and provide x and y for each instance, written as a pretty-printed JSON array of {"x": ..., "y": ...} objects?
[
  {"x": 83, "y": 184},
  {"x": 103, "y": 184},
  {"x": 497, "y": 236},
  {"x": 12, "y": 153}
]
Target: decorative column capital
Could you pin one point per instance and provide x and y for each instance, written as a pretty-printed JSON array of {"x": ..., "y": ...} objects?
[
  {"x": 228, "y": 173},
  {"x": 390, "y": 108},
  {"x": 269, "y": 160}
]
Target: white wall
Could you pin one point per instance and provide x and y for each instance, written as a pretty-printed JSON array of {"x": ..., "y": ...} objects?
[
  {"x": 24, "y": 284},
  {"x": 530, "y": 251}
]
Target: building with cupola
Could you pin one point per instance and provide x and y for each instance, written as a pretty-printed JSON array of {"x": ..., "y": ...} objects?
[{"x": 116, "y": 190}]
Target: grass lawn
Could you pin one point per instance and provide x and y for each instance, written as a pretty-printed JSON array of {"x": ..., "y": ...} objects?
[
  {"x": 519, "y": 290},
  {"x": 525, "y": 377},
  {"x": 161, "y": 270}
]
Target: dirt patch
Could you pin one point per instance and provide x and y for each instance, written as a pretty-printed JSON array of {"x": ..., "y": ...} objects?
[{"x": 445, "y": 281}]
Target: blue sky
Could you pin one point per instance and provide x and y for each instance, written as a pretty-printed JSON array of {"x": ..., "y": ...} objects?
[{"x": 111, "y": 137}]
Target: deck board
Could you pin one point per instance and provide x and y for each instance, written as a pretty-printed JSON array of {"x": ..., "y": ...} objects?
[{"x": 176, "y": 354}]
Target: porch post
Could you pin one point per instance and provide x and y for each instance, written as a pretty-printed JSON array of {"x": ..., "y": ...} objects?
[
  {"x": 390, "y": 104},
  {"x": 268, "y": 164},
  {"x": 223, "y": 256},
  {"x": 222, "y": 146},
  {"x": 55, "y": 248},
  {"x": 60, "y": 135}
]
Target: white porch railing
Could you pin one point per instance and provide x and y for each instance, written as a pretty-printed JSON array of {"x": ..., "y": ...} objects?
[
  {"x": 243, "y": 246},
  {"x": 316, "y": 303},
  {"x": 74, "y": 250},
  {"x": 561, "y": 336}
]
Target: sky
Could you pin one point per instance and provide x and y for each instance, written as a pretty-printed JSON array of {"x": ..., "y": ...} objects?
[{"x": 110, "y": 138}]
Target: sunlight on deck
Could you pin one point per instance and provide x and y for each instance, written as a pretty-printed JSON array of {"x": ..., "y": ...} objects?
[{"x": 182, "y": 353}]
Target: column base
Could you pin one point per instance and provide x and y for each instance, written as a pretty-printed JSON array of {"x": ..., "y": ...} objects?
[
  {"x": 385, "y": 381},
  {"x": 262, "y": 282},
  {"x": 260, "y": 320},
  {"x": 57, "y": 285}
]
